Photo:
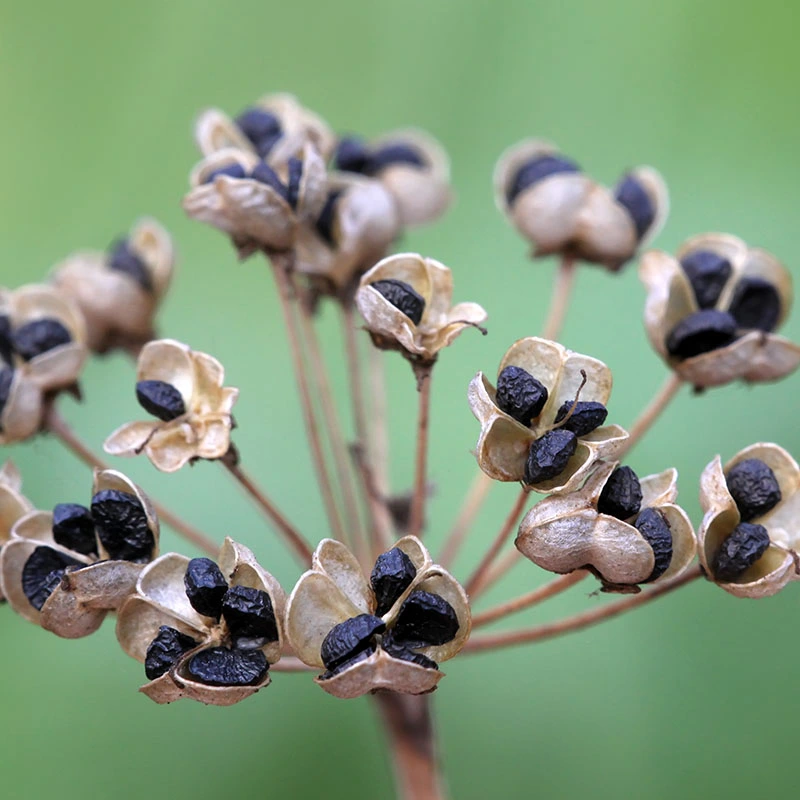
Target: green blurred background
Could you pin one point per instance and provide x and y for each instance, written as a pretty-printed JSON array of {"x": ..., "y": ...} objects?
[{"x": 691, "y": 697}]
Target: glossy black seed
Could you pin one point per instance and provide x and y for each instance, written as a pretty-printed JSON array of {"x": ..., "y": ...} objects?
[
  {"x": 37, "y": 337},
  {"x": 348, "y": 638},
  {"x": 403, "y": 297},
  {"x": 123, "y": 258},
  {"x": 219, "y": 666},
  {"x": 6, "y": 379},
  {"x": 701, "y": 332},
  {"x": 756, "y": 304},
  {"x": 165, "y": 650},
  {"x": 361, "y": 655},
  {"x": 258, "y": 125},
  {"x": 397, "y": 650},
  {"x": 161, "y": 399},
  {"x": 654, "y": 527},
  {"x": 753, "y": 487},
  {"x": 631, "y": 194},
  {"x": 43, "y": 572},
  {"x": 122, "y": 526},
  {"x": 391, "y": 576},
  {"x": 250, "y": 617},
  {"x": 265, "y": 145},
  {"x": 263, "y": 173},
  {"x": 708, "y": 273},
  {"x": 549, "y": 454},
  {"x": 392, "y": 154},
  {"x": 425, "y": 619},
  {"x": 537, "y": 170},
  {"x": 520, "y": 395},
  {"x": 327, "y": 216},
  {"x": 352, "y": 155},
  {"x": 205, "y": 587},
  {"x": 6, "y": 347},
  {"x": 622, "y": 495},
  {"x": 295, "y": 167},
  {"x": 585, "y": 418},
  {"x": 746, "y": 544},
  {"x": 73, "y": 528},
  {"x": 234, "y": 170}
]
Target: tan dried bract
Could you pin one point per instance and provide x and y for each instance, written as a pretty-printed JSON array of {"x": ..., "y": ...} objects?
[{"x": 13, "y": 504}]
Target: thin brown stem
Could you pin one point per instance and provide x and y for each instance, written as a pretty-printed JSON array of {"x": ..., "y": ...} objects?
[
  {"x": 476, "y": 582},
  {"x": 377, "y": 429},
  {"x": 493, "y": 641},
  {"x": 653, "y": 411},
  {"x": 60, "y": 428},
  {"x": 473, "y": 502},
  {"x": 417, "y": 519},
  {"x": 281, "y": 268},
  {"x": 292, "y": 536},
  {"x": 356, "y": 379},
  {"x": 291, "y": 664},
  {"x": 559, "y": 584},
  {"x": 559, "y": 302}
]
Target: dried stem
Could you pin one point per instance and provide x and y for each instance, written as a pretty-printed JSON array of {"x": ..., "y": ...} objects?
[
  {"x": 356, "y": 380},
  {"x": 550, "y": 630},
  {"x": 291, "y": 664},
  {"x": 292, "y": 536},
  {"x": 473, "y": 502},
  {"x": 559, "y": 584},
  {"x": 424, "y": 375},
  {"x": 61, "y": 429},
  {"x": 559, "y": 302},
  {"x": 476, "y": 582},
  {"x": 377, "y": 429},
  {"x": 653, "y": 411}
]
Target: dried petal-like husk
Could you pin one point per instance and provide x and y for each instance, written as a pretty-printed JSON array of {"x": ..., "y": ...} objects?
[{"x": 13, "y": 504}]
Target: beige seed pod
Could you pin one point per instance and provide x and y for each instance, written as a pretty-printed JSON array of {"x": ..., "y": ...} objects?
[{"x": 13, "y": 504}]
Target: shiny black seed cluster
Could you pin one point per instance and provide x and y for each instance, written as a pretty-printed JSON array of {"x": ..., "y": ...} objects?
[
  {"x": 353, "y": 155},
  {"x": 653, "y": 526},
  {"x": 403, "y": 297},
  {"x": 122, "y": 526},
  {"x": 161, "y": 399},
  {"x": 73, "y": 528},
  {"x": 520, "y": 395},
  {"x": 740, "y": 550},
  {"x": 263, "y": 173},
  {"x": 123, "y": 258},
  {"x": 631, "y": 194},
  {"x": 753, "y": 487},
  {"x": 392, "y": 575},
  {"x": 549, "y": 455},
  {"x": 42, "y": 573},
  {"x": 165, "y": 650},
  {"x": 585, "y": 416},
  {"x": 537, "y": 169},
  {"x": 621, "y": 496},
  {"x": 708, "y": 272},
  {"x": 261, "y": 127}
]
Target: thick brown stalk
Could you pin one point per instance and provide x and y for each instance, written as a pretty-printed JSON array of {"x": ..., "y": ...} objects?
[
  {"x": 653, "y": 411},
  {"x": 559, "y": 302},
  {"x": 417, "y": 519},
  {"x": 473, "y": 502}
]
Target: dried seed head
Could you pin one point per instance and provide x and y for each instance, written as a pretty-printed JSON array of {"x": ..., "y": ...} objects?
[
  {"x": 708, "y": 272},
  {"x": 161, "y": 399},
  {"x": 250, "y": 617},
  {"x": 652, "y": 524},
  {"x": 38, "y": 336},
  {"x": 537, "y": 169},
  {"x": 42, "y": 573},
  {"x": 165, "y": 650},
  {"x": 745, "y": 545},
  {"x": 403, "y": 297},
  {"x": 425, "y": 620},
  {"x": 123, "y": 258},
  {"x": 263, "y": 173},
  {"x": 122, "y": 526},
  {"x": 73, "y": 528},
  {"x": 754, "y": 488},
  {"x": 756, "y": 304},
  {"x": 220, "y": 666},
  {"x": 520, "y": 395},
  {"x": 261, "y": 127},
  {"x": 585, "y": 417},
  {"x": 549, "y": 455},
  {"x": 622, "y": 495},
  {"x": 630, "y": 193},
  {"x": 701, "y": 332},
  {"x": 392, "y": 575},
  {"x": 205, "y": 587},
  {"x": 349, "y": 638}
]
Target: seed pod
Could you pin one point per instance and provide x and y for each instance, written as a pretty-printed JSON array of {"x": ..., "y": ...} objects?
[
  {"x": 746, "y": 544},
  {"x": 537, "y": 169},
  {"x": 520, "y": 395},
  {"x": 361, "y": 655},
  {"x": 630, "y": 193},
  {"x": 161, "y": 399},
  {"x": 622, "y": 495},
  {"x": 584, "y": 419},
  {"x": 403, "y": 297},
  {"x": 754, "y": 488},
  {"x": 6, "y": 348},
  {"x": 39, "y": 336},
  {"x": 756, "y": 304},
  {"x": 123, "y": 258},
  {"x": 398, "y": 650},
  {"x": 352, "y": 155},
  {"x": 549, "y": 455},
  {"x": 122, "y": 526},
  {"x": 205, "y": 587},
  {"x": 234, "y": 170},
  {"x": 390, "y": 154},
  {"x": 250, "y": 617},
  {"x": 73, "y": 528},
  {"x": 425, "y": 620},
  {"x": 348, "y": 638},
  {"x": 261, "y": 127},
  {"x": 391, "y": 576},
  {"x": 219, "y": 666},
  {"x": 165, "y": 650},
  {"x": 708, "y": 272},
  {"x": 263, "y": 173},
  {"x": 652, "y": 524},
  {"x": 701, "y": 332},
  {"x": 43, "y": 572}
]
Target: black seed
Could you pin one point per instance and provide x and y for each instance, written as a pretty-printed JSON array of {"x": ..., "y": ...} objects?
[
  {"x": 73, "y": 528},
  {"x": 263, "y": 173},
  {"x": 397, "y": 650},
  {"x": 250, "y": 617},
  {"x": 622, "y": 495},
  {"x": 746, "y": 544},
  {"x": 348, "y": 638},
  {"x": 161, "y": 399},
  {"x": 549, "y": 455},
  {"x": 234, "y": 170},
  {"x": 264, "y": 147},
  {"x": 123, "y": 258},
  {"x": 39, "y": 336},
  {"x": 701, "y": 332},
  {"x": 259, "y": 125},
  {"x": 6, "y": 379},
  {"x": 293, "y": 182},
  {"x": 43, "y": 572},
  {"x": 391, "y": 576},
  {"x": 392, "y": 154},
  {"x": 425, "y": 619},
  {"x": 165, "y": 650},
  {"x": 756, "y": 304},
  {"x": 6, "y": 347},
  {"x": 753, "y": 487},
  {"x": 122, "y": 526},
  {"x": 708, "y": 272},
  {"x": 537, "y": 170},
  {"x": 654, "y": 527},
  {"x": 631, "y": 194},
  {"x": 325, "y": 220},
  {"x": 205, "y": 587},
  {"x": 219, "y": 666},
  {"x": 520, "y": 395},
  {"x": 351, "y": 155},
  {"x": 403, "y": 297},
  {"x": 361, "y": 655},
  {"x": 584, "y": 419}
]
